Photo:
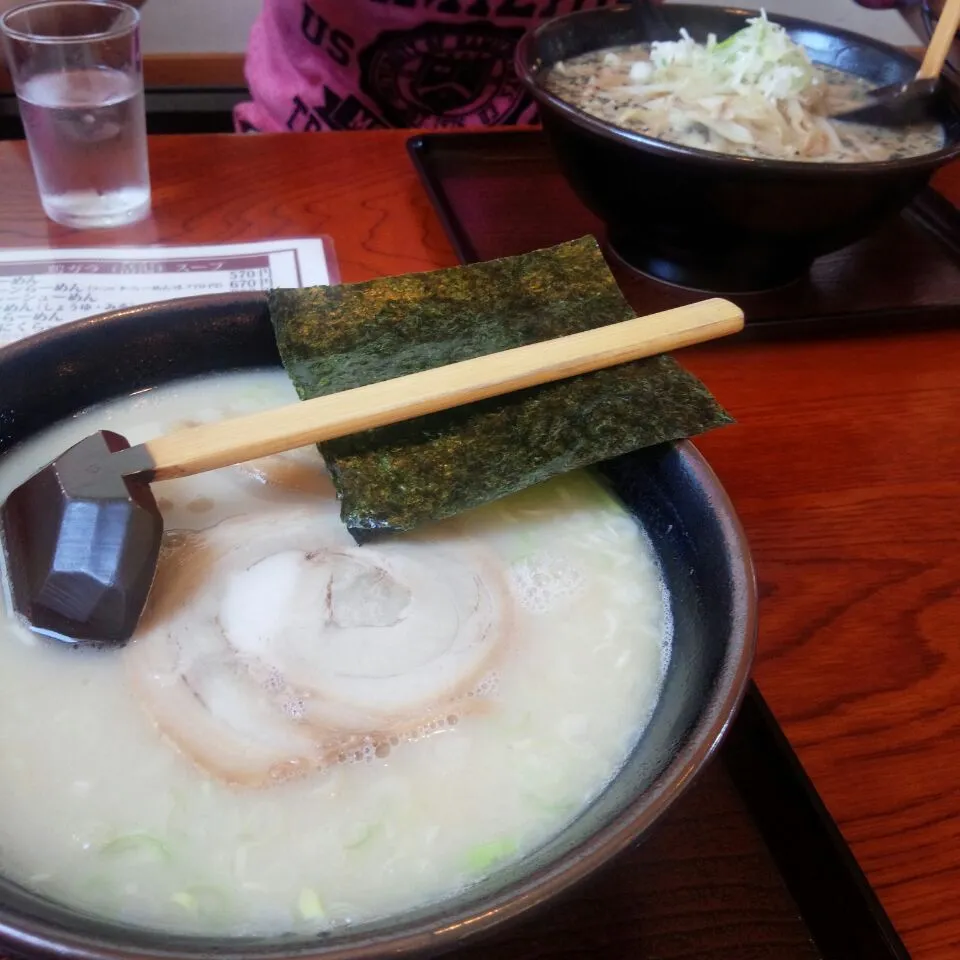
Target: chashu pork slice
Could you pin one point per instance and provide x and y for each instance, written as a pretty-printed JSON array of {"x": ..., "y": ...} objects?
[{"x": 272, "y": 645}]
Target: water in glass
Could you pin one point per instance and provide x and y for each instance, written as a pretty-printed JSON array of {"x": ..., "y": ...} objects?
[{"x": 86, "y": 132}]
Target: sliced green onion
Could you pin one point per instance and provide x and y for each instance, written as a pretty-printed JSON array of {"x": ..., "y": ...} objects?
[
  {"x": 142, "y": 845},
  {"x": 365, "y": 836},
  {"x": 486, "y": 855},
  {"x": 186, "y": 900},
  {"x": 310, "y": 905}
]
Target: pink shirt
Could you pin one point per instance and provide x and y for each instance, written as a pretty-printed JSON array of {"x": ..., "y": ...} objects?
[{"x": 363, "y": 64}]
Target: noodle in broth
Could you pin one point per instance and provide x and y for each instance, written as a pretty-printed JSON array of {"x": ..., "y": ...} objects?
[{"x": 756, "y": 94}]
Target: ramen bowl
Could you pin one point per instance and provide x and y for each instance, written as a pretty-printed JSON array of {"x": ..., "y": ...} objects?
[
  {"x": 697, "y": 541},
  {"x": 714, "y": 221}
]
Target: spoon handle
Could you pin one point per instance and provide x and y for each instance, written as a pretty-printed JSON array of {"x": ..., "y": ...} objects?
[
  {"x": 213, "y": 445},
  {"x": 939, "y": 46}
]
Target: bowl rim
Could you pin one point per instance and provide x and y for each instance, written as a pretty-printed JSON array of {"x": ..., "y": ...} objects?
[
  {"x": 501, "y": 907},
  {"x": 529, "y": 69}
]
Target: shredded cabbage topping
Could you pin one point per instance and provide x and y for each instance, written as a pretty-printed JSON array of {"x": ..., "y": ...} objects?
[
  {"x": 757, "y": 93},
  {"x": 758, "y": 60}
]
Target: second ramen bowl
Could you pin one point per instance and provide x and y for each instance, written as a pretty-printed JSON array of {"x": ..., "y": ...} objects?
[{"x": 713, "y": 221}]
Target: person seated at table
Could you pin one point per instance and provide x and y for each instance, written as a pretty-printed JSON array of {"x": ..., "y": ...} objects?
[{"x": 370, "y": 64}]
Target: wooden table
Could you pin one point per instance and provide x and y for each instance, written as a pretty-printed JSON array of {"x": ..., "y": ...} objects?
[{"x": 845, "y": 468}]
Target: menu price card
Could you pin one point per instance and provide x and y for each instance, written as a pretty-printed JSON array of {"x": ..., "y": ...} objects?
[{"x": 40, "y": 289}]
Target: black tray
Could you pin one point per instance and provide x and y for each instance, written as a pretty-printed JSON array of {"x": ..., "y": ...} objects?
[
  {"x": 501, "y": 194},
  {"x": 749, "y": 864}
]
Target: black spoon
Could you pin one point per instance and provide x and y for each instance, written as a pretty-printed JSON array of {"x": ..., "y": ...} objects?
[{"x": 900, "y": 104}]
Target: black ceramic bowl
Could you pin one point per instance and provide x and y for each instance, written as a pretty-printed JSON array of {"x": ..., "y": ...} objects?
[
  {"x": 708, "y": 220},
  {"x": 697, "y": 538}
]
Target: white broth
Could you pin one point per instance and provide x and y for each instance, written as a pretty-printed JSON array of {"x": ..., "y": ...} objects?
[{"x": 249, "y": 764}]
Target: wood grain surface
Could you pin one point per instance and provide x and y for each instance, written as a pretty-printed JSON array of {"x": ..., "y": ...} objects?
[{"x": 844, "y": 466}]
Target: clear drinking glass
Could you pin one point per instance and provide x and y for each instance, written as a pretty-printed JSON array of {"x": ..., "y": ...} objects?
[{"x": 78, "y": 75}]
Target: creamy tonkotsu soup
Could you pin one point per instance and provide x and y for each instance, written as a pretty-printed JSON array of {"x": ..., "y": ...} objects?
[
  {"x": 755, "y": 95},
  {"x": 305, "y": 734}
]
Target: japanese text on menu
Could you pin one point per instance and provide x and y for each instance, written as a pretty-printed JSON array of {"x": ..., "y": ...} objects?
[{"x": 40, "y": 289}]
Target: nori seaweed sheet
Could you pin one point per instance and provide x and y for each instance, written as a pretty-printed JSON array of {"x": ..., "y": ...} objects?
[{"x": 397, "y": 477}]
